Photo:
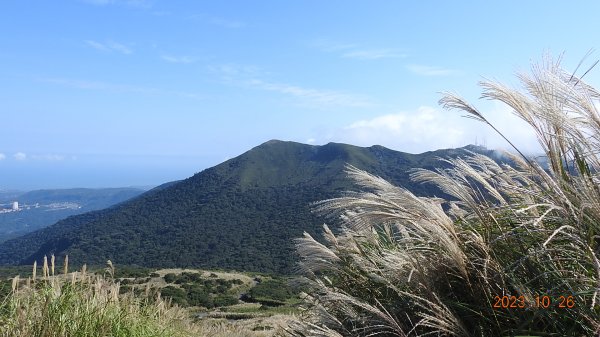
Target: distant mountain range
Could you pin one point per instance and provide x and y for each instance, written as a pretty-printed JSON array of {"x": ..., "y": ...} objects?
[
  {"x": 241, "y": 214},
  {"x": 42, "y": 208}
]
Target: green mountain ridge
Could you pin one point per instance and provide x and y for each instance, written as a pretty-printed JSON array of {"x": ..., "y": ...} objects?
[{"x": 241, "y": 214}]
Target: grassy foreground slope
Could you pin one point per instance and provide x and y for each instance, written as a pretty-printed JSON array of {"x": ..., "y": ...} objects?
[{"x": 141, "y": 302}]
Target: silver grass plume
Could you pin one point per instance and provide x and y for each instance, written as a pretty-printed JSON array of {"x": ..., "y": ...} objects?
[{"x": 400, "y": 264}]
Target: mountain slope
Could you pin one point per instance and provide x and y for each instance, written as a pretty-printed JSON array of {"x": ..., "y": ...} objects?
[{"x": 241, "y": 214}]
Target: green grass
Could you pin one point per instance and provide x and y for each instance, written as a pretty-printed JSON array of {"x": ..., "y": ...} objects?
[{"x": 288, "y": 309}]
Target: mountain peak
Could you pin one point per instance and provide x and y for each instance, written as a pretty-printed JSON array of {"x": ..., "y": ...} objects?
[
  {"x": 272, "y": 141},
  {"x": 475, "y": 148},
  {"x": 279, "y": 143}
]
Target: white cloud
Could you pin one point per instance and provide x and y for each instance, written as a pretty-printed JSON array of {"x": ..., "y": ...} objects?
[
  {"x": 50, "y": 157},
  {"x": 428, "y": 129},
  {"x": 355, "y": 51},
  {"x": 329, "y": 47},
  {"x": 419, "y": 131},
  {"x": 233, "y": 71},
  {"x": 96, "y": 45},
  {"x": 232, "y": 24},
  {"x": 119, "y": 47},
  {"x": 97, "y": 85},
  {"x": 115, "y": 87},
  {"x": 311, "y": 141},
  {"x": 20, "y": 156},
  {"x": 324, "y": 97},
  {"x": 109, "y": 46},
  {"x": 373, "y": 54},
  {"x": 431, "y": 71},
  {"x": 252, "y": 77},
  {"x": 41, "y": 157},
  {"x": 178, "y": 59}
]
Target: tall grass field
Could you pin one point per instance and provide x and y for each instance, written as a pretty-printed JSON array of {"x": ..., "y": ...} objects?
[{"x": 514, "y": 251}]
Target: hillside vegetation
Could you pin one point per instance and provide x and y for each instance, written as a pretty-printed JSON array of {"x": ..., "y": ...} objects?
[{"x": 242, "y": 214}]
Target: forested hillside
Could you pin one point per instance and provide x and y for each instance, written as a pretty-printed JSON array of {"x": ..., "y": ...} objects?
[{"x": 241, "y": 214}]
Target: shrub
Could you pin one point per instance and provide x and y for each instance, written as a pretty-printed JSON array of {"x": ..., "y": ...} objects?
[
  {"x": 406, "y": 265},
  {"x": 199, "y": 297},
  {"x": 224, "y": 300},
  {"x": 131, "y": 271},
  {"x": 177, "y": 295},
  {"x": 170, "y": 278},
  {"x": 273, "y": 289}
]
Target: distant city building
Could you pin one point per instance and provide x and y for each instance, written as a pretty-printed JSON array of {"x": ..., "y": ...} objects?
[{"x": 15, "y": 206}]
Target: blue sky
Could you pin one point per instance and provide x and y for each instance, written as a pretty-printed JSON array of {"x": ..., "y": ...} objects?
[{"x": 140, "y": 92}]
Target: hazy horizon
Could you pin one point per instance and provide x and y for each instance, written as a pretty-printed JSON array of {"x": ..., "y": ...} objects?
[{"x": 110, "y": 93}]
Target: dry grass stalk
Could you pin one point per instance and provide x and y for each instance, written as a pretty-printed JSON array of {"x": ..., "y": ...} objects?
[
  {"x": 34, "y": 271},
  {"x": 45, "y": 268},
  {"x": 52, "y": 261},
  {"x": 66, "y": 265},
  {"x": 15, "y": 283}
]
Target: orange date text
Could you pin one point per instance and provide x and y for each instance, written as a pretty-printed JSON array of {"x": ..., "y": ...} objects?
[{"x": 538, "y": 301}]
